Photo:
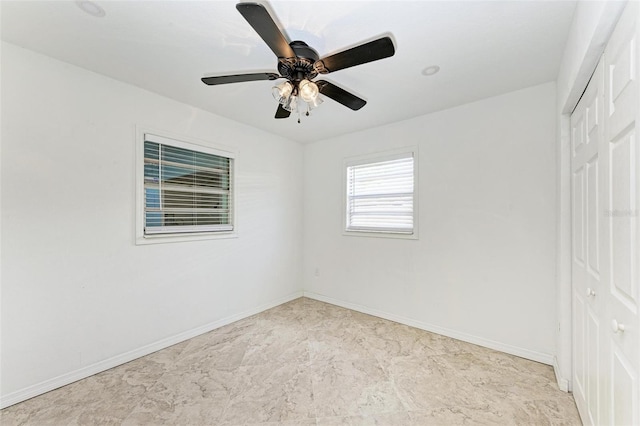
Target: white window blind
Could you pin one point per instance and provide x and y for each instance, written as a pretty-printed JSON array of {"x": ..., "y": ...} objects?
[
  {"x": 380, "y": 195},
  {"x": 185, "y": 191}
]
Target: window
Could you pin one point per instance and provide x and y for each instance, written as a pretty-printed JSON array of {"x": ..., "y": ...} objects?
[
  {"x": 187, "y": 189},
  {"x": 380, "y": 197}
]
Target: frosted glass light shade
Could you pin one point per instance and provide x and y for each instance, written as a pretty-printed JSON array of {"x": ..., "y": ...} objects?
[
  {"x": 308, "y": 90},
  {"x": 291, "y": 103},
  {"x": 282, "y": 91},
  {"x": 315, "y": 102}
]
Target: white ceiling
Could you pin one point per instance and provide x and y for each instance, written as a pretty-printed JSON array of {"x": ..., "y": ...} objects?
[{"x": 484, "y": 48}]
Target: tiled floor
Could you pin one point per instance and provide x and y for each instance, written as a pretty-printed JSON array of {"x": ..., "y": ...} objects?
[{"x": 310, "y": 363}]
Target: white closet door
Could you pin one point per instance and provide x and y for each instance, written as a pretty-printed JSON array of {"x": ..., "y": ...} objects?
[
  {"x": 621, "y": 180},
  {"x": 588, "y": 305},
  {"x": 606, "y": 237}
]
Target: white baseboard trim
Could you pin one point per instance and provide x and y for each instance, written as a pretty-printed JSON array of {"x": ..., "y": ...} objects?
[
  {"x": 563, "y": 383},
  {"x": 476, "y": 340},
  {"x": 82, "y": 373}
]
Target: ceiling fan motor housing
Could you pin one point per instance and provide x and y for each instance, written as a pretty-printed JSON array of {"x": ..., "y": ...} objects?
[{"x": 302, "y": 66}]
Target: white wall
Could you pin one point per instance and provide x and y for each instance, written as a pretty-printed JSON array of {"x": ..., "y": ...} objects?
[
  {"x": 483, "y": 268},
  {"x": 593, "y": 23},
  {"x": 76, "y": 291}
]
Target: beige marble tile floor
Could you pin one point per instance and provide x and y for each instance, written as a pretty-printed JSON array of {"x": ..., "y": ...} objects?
[{"x": 310, "y": 363}]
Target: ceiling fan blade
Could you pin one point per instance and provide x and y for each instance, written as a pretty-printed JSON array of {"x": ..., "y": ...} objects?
[
  {"x": 340, "y": 95},
  {"x": 239, "y": 78},
  {"x": 258, "y": 17},
  {"x": 282, "y": 113},
  {"x": 368, "y": 52}
]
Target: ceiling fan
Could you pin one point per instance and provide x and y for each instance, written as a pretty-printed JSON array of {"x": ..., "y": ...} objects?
[{"x": 299, "y": 64}]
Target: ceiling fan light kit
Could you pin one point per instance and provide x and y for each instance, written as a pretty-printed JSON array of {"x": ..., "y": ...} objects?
[
  {"x": 291, "y": 95},
  {"x": 299, "y": 64}
]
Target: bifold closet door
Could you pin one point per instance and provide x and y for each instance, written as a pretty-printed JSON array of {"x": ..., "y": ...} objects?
[
  {"x": 605, "y": 189},
  {"x": 587, "y": 139},
  {"x": 622, "y": 186}
]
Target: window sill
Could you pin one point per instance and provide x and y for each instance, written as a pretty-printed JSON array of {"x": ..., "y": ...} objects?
[
  {"x": 179, "y": 238},
  {"x": 373, "y": 234}
]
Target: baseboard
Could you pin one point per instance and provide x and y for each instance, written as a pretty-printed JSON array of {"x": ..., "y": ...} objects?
[
  {"x": 563, "y": 383},
  {"x": 74, "y": 376},
  {"x": 476, "y": 340}
]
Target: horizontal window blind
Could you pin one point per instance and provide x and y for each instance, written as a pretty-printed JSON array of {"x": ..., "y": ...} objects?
[
  {"x": 185, "y": 191},
  {"x": 380, "y": 196}
]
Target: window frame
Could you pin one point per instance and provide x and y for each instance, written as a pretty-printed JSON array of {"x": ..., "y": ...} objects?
[
  {"x": 179, "y": 141},
  {"x": 376, "y": 157}
]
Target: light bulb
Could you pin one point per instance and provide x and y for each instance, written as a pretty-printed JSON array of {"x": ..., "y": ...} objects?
[
  {"x": 308, "y": 90},
  {"x": 282, "y": 91}
]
